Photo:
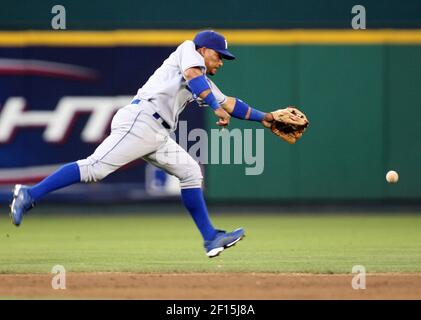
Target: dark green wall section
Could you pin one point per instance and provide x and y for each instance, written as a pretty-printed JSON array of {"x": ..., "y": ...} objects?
[
  {"x": 158, "y": 14},
  {"x": 364, "y": 106},
  {"x": 403, "y": 136}
]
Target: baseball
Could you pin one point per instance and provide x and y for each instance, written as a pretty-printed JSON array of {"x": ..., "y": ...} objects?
[{"x": 392, "y": 176}]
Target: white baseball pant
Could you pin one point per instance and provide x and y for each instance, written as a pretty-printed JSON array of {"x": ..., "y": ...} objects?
[{"x": 135, "y": 134}]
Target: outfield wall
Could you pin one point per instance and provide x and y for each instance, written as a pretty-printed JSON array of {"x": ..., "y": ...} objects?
[
  {"x": 363, "y": 102},
  {"x": 162, "y": 14},
  {"x": 360, "y": 89}
]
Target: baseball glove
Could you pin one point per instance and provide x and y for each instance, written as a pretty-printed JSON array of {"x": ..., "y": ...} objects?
[{"x": 289, "y": 124}]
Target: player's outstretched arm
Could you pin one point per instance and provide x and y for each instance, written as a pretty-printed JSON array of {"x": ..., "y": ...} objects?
[
  {"x": 200, "y": 87},
  {"x": 288, "y": 124},
  {"x": 240, "y": 110}
]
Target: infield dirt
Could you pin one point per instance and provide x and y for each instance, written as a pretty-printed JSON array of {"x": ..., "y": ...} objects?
[{"x": 196, "y": 286}]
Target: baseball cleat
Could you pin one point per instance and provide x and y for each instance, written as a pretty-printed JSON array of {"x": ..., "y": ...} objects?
[
  {"x": 223, "y": 241},
  {"x": 22, "y": 202}
]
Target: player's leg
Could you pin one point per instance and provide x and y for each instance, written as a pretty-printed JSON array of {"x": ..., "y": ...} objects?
[
  {"x": 122, "y": 146},
  {"x": 24, "y": 197},
  {"x": 176, "y": 161}
]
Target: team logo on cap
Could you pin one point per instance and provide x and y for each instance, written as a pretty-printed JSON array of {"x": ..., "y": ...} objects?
[{"x": 226, "y": 44}]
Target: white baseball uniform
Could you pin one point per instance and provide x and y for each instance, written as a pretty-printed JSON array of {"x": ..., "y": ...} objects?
[{"x": 141, "y": 129}]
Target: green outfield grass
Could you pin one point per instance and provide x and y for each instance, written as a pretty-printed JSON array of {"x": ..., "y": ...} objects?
[{"x": 171, "y": 243}]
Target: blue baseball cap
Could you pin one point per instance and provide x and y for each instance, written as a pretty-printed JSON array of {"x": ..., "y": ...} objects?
[{"x": 213, "y": 40}]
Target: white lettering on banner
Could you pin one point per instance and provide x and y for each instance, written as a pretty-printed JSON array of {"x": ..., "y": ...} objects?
[
  {"x": 226, "y": 146},
  {"x": 58, "y": 122}
]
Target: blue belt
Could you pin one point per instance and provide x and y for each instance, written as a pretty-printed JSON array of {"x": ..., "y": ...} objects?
[{"x": 155, "y": 115}]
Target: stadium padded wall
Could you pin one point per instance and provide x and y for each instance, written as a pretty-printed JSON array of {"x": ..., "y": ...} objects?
[
  {"x": 363, "y": 102},
  {"x": 360, "y": 90},
  {"x": 130, "y": 14}
]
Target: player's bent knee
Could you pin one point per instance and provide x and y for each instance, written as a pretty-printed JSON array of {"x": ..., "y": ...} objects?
[
  {"x": 192, "y": 177},
  {"x": 92, "y": 170}
]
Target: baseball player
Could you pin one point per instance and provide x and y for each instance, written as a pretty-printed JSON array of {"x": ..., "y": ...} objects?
[{"x": 142, "y": 130}]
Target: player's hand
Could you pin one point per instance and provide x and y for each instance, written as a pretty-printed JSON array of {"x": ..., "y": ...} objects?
[
  {"x": 267, "y": 121},
  {"x": 224, "y": 117}
]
